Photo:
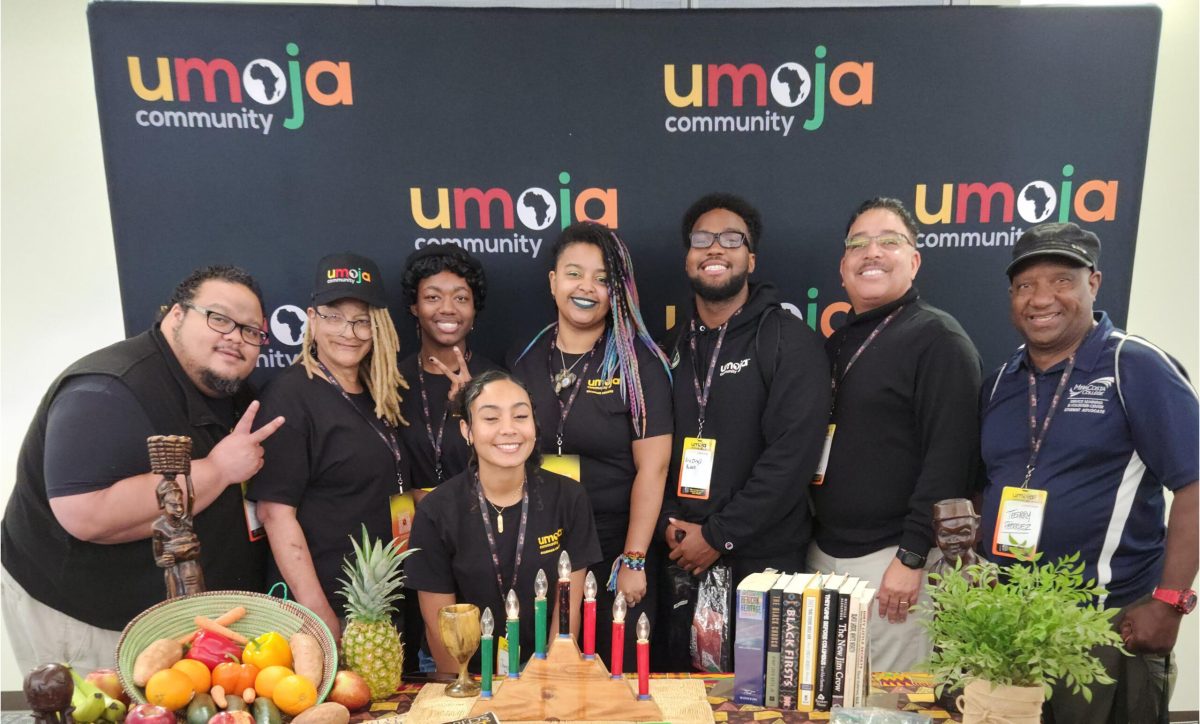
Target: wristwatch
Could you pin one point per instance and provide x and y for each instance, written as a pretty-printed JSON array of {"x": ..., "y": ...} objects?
[
  {"x": 1182, "y": 601},
  {"x": 912, "y": 560}
]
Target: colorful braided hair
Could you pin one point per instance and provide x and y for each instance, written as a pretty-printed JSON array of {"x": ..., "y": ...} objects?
[{"x": 625, "y": 324}]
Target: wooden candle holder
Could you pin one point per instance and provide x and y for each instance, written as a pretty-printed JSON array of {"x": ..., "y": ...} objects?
[{"x": 564, "y": 686}]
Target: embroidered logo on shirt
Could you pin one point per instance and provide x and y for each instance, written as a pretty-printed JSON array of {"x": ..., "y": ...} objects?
[
  {"x": 732, "y": 368},
  {"x": 1090, "y": 397},
  {"x": 601, "y": 386},
  {"x": 548, "y": 544}
]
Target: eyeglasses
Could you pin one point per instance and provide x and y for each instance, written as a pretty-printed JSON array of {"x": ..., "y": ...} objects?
[
  {"x": 361, "y": 327},
  {"x": 886, "y": 242},
  {"x": 727, "y": 239},
  {"x": 218, "y": 322}
]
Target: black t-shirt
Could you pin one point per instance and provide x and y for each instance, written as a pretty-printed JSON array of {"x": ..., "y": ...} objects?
[
  {"x": 455, "y": 452},
  {"x": 329, "y": 463},
  {"x": 599, "y": 427},
  {"x": 454, "y": 555}
]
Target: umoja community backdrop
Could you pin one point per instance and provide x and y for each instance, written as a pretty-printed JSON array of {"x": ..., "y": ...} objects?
[{"x": 270, "y": 136}]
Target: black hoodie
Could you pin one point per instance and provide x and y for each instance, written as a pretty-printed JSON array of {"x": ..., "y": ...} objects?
[{"x": 769, "y": 425}]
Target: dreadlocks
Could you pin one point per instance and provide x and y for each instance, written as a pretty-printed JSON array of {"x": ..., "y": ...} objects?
[
  {"x": 378, "y": 371},
  {"x": 625, "y": 323}
]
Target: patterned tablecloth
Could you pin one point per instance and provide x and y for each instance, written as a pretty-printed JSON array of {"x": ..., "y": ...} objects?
[{"x": 907, "y": 691}]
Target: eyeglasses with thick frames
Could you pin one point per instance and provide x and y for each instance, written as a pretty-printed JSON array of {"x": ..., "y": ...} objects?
[
  {"x": 361, "y": 327},
  {"x": 886, "y": 242},
  {"x": 727, "y": 239},
  {"x": 218, "y": 322}
]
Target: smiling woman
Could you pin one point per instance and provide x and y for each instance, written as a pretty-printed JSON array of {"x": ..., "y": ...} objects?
[{"x": 339, "y": 461}]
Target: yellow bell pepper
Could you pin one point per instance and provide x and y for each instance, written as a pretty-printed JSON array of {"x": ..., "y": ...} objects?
[{"x": 270, "y": 649}]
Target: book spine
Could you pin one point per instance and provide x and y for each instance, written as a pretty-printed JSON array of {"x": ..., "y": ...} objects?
[
  {"x": 789, "y": 652},
  {"x": 839, "y": 650},
  {"x": 774, "y": 638},
  {"x": 808, "y": 650},
  {"x": 824, "y": 687},
  {"x": 748, "y": 648},
  {"x": 863, "y": 662},
  {"x": 852, "y": 646}
]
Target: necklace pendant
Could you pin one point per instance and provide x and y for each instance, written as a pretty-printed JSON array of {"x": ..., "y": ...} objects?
[
  {"x": 569, "y": 379},
  {"x": 500, "y": 521}
]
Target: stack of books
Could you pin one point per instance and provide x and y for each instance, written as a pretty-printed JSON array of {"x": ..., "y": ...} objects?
[{"x": 802, "y": 641}]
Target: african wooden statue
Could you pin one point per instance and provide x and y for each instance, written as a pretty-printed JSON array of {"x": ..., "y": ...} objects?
[{"x": 176, "y": 547}]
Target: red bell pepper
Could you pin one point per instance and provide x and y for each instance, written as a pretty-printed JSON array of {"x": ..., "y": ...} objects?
[{"x": 212, "y": 649}]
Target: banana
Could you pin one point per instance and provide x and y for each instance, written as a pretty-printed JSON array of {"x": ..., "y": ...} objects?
[
  {"x": 114, "y": 709},
  {"x": 88, "y": 700}
]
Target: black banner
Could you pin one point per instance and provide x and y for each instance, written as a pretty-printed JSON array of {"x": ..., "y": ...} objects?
[{"x": 268, "y": 136}]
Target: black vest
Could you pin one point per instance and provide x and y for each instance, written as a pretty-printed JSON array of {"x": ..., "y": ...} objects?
[{"x": 107, "y": 585}]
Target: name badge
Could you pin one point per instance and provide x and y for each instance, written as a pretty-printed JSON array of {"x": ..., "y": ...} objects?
[
  {"x": 565, "y": 465},
  {"x": 501, "y": 657},
  {"x": 819, "y": 474},
  {"x": 695, "y": 467},
  {"x": 403, "y": 508},
  {"x": 1019, "y": 522},
  {"x": 255, "y": 530}
]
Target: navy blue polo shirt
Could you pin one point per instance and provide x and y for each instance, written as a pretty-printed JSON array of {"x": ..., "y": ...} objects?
[{"x": 1126, "y": 427}]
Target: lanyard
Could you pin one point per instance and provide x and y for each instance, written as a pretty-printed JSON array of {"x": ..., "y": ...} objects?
[
  {"x": 564, "y": 408},
  {"x": 1036, "y": 438},
  {"x": 703, "y": 392},
  {"x": 836, "y": 379},
  {"x": 435, "y": 441},
  {"x": 491, "y": 537},
  {"x": 389, "y": 438}
]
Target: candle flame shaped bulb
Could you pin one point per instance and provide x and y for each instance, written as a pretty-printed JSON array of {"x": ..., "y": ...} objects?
[
  {"x": 619, "y": 608},
  {"x": 589, "y": 587},
  {"x": 564, "y": 567},
  {"x": 643, "y": 628},
  {"x": 540, "y": 585},
  {"x": 486, "y": 623},
  {"x": 511, "y": 608}
]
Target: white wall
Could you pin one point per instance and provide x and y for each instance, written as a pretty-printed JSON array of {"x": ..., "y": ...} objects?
[{"x": 58, "y": 280}]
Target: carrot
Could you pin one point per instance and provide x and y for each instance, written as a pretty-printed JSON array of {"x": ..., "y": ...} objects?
[
  {"x": 230, "y": 616},
  {"x": 208, "y": 624}
]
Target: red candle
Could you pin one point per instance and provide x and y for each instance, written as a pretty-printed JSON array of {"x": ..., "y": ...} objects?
[
  {"x": 589, "y": 616},
  {"x": 643, "y": 656},
  {"x": 618, "y": 635}
]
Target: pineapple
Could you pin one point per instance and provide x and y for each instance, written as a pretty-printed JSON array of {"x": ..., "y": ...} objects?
[{"x": 371, "y": 645}]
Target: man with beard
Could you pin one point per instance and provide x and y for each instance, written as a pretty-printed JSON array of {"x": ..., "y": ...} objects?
[
  {"x": 78, "y": 564},
  {"x": 751, "y": 397},
  {"x": 904, "y": 432}
]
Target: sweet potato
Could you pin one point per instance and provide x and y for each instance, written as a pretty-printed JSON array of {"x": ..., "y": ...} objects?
[
  {"x": 328, "y": 713},
  {"x": 307, "y": 658},
  {"x": 154, "y": 658}
]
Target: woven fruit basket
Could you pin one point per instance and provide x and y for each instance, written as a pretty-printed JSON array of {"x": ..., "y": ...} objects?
[{"x": 176, "y": 618}]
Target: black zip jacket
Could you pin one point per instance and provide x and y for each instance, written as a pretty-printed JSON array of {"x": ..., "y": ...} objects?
[
  {"x": 907, "y": 434},
  {"x": 767, "y": 410}
]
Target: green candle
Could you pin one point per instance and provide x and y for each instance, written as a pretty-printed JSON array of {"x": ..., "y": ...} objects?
[
  {"x": 540, "y": 588},
  {"x": 486, "y": 654},
  {"x": 513, "y": 632}
]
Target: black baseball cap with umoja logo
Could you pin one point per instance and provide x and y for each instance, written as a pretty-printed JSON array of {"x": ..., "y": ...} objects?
[{"x": 348, "y": 276}]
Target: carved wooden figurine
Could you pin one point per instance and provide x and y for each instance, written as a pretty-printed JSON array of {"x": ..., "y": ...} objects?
[
  {"x": 956, "y": 530},
  {"x": 176, "y": 547}
]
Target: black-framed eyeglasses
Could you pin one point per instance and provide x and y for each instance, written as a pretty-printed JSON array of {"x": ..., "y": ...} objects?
[
  {"x": 727, "y": 239},
  {"x": 362, "y": 327},
  {"x": 219, "y": 322}
]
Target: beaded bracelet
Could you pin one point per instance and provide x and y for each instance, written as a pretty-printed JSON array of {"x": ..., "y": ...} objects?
[{"x": 634, "y": 560}]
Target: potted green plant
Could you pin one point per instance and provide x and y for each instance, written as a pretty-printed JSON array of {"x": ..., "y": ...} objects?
[{"x": 1010, "y": 633}]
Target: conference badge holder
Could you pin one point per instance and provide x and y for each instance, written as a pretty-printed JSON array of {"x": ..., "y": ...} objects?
[
  {"x": 819, "y": 474},
  {"x": 696, "y": 466},
  {"x": 1019, "y": 522},
  {"x": 402, "y": 508},
  {"x": 254, "y": 527},
  {"x": 564, "y": 465}
]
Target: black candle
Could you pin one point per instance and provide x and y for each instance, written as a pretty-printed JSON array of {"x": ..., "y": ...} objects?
[{"x": 564, "y": 595}]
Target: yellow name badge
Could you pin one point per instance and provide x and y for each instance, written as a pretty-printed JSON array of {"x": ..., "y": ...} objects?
[
  {"x": 402, "y": 508},
  {"x": 1019, "y": 522},
  {"x": 819, "y": 474},
  {"x": 695, "y": 467},
  {"x": 501, "y": 657},
  {"x": 565, "y": 465}
]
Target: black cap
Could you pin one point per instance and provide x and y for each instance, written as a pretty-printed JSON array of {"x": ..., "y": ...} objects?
[
  {"x": 348, "y": 276},
  {"x": 1063, "y": 240}
]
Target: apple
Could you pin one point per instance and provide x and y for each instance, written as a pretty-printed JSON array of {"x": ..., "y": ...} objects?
[
  {"x": 106, "y": 680},
  {"x": 350, "y": 690},
  {"x": 149, "y": 714}
]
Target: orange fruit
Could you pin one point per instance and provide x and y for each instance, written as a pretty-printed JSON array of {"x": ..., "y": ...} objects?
[
  {"x": 170, "y": 688},
  {"x": 264, "y": 683},
  {"x": 293, "y": 694},
  {"x": 196, "y": 671}
]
